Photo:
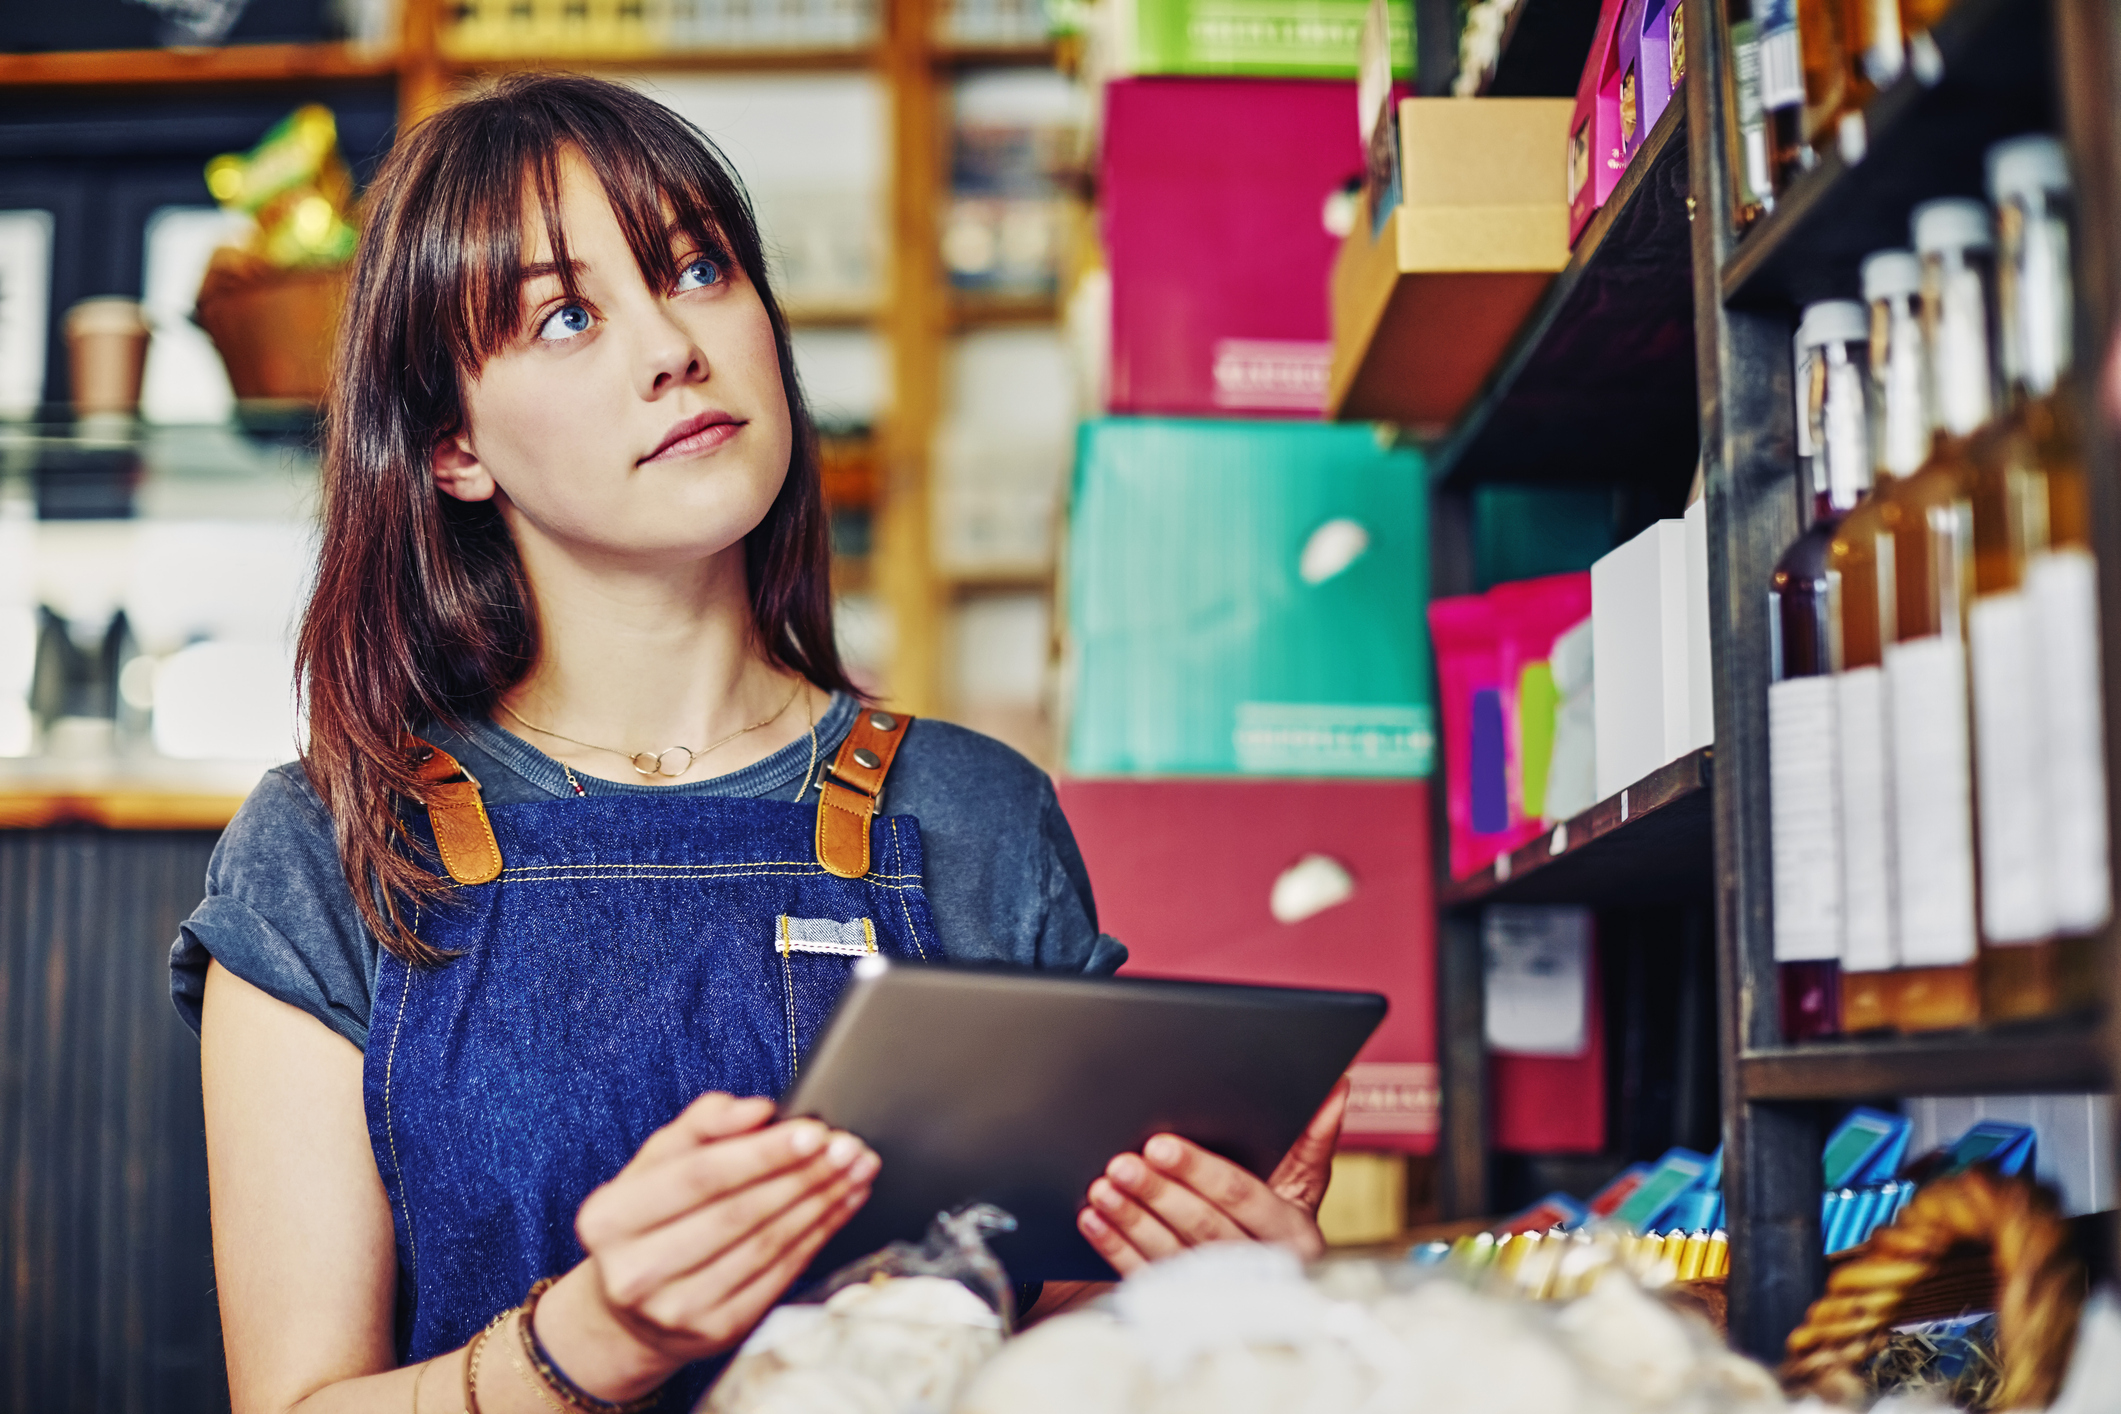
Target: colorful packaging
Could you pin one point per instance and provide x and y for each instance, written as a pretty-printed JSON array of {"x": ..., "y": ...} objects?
[
  {"x": 1662, "y": 61},
  {"x": 1245, "y": 598},
  {"x": 1498, "y": 707},
  {"x": 1211, "y": 197},
  {"x": 1594, "y": 130},
  {"x": 1195, "y": 877},
  {"x": 1260, "y": 38}
]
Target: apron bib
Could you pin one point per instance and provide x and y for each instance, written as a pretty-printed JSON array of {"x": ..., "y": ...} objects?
[{"x": 626, "y": 955}]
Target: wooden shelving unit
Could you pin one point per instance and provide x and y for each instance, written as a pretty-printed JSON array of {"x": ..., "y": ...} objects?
[
  {"x": 1599, "y": 383},
  {"x": 1670, "y": 330},
  {"x": 1648, "y": 844},
  {"x": 234, "y": 64}
]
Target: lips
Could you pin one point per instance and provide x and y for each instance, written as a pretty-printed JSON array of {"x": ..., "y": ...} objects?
[{"x": 702, "y": 432}]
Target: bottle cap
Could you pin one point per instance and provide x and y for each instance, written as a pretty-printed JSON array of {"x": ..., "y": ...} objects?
[
  {"x": 2020, "y": 165},
  {"x": 1888, "y": 273},
  {"x": 1833, "y": 321},
  {"x": 1952, "y": 223}
]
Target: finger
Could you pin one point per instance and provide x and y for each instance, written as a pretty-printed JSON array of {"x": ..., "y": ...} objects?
[
  {"x": 1108, "y": 1242},
  {"x": 1190, "y": 1217},
  {"x": 647, "y": 1262},
  {"x": 712, "y": 1116},
  {"x": 1144, "y": 1231},
  {"x": 1303, "y": 1173},
  {"x": 641, "y": 1198},
  {"x": 1244, "y": 1197},
  {"x": 719, "y": 1302}
]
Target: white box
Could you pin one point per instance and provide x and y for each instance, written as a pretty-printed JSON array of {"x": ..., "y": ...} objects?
[
  {"x": 1644, "y": 703},
  {"x": 1701, "y": 681}
]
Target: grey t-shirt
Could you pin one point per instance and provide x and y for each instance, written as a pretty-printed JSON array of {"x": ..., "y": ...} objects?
[{"x": 1004, "y": 879}]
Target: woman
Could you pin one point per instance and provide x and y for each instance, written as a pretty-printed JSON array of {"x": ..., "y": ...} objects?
[{"x": 583, "y": 839}]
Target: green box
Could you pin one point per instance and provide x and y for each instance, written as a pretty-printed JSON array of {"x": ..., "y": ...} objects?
[
  {"x": 1262, "y": 38},
  {"x": 1206, "y": 636}
]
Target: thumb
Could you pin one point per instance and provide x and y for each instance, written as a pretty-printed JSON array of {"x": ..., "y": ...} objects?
[{"x": 1302, "y": 1174}]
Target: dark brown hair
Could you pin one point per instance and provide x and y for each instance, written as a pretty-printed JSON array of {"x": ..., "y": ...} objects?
[{"x": 421, "y": 611}]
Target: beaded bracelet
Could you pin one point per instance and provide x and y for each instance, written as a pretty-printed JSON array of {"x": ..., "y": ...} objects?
[{"x": 554, "y": 1378}]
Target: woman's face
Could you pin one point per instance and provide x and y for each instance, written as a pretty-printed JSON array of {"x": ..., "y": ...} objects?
[{"x": 632, "y": 422}]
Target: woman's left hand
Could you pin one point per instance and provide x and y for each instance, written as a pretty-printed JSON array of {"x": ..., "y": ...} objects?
[{"x": 1174, "y": 1195}]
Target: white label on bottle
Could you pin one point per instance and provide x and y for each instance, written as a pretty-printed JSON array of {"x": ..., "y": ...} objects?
[
  {"x": 1868, "y": 936},
  {"x": 2010, "y": 771},
  {"x": 1803, "y": 819},
  {"x": 1959, "y": 348},
  {"x": 1933, "y": 827},
  {"x": 2064, "y": 588},
  {"x": 1781, "y": 70}
]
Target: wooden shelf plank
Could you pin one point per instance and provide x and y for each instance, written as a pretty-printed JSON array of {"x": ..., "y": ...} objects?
[
  {"x": 1598, "y": 387},
  {"x": 997, "y": 56},
  {"x": 234, "y": 63},
  {"x": 1991, "y": 79},
  {"x": 733, "y": 59},
  {"x": 1649, "y": 844},
  {"x": 2067, "y": 1056},
  {"x": 1544, "y": 46},
  {"x": 973, "y": 309}
]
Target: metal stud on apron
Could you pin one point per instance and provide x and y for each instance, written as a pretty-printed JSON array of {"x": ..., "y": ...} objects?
[{"x": 630, "y": 954}]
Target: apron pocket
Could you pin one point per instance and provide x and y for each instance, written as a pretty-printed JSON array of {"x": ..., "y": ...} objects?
[{"x": 817, "y": 959}]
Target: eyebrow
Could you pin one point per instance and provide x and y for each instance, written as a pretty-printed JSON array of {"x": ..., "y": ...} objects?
[{"x": 548, "y": 267}]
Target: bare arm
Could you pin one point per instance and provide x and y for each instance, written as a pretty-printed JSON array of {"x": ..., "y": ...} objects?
[{"x": 689, "y": 1244}]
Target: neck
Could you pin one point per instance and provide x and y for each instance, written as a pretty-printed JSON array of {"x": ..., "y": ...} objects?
[{"x": 640, "y": 658}]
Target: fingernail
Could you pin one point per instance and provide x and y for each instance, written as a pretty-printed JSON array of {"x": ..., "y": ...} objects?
[
  {"x": 1163, "y": 1149},
  {"x": 1104, "y": 1194},
  {"x": 865, "y": 1168},
  {"x": 1127, "y": 1169},
  {"x": 807, "y": 1139},
  {"x": 843, "y": 1150},
  {"x": 1089, "y": 1221}
]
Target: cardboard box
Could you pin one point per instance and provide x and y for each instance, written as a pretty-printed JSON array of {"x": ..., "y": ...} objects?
[
  {"x": 1188, "y": 908},
  {"x": 1258, "y": 38},
  {"x": 1639, "y": 656},
  {"x": 1246, "y": 598},
  {"x": 1701, "y": 677},
  {"x": 1212, "y": 194},
  {"x": 1424, "y": 307},
  {"x": 1620, "y": 81},
  {"x": 1594, "y": 130}
]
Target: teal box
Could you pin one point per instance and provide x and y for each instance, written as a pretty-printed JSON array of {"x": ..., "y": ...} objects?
[{"x": 1247, "y": 598}]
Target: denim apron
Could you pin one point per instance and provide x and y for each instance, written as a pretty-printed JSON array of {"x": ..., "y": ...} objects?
[{"x": 632, "y": 954}]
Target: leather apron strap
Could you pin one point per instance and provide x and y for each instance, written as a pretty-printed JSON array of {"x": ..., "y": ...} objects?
[
  {"x": 455, "y": 810},
  {"x": 848, "y": 791}
]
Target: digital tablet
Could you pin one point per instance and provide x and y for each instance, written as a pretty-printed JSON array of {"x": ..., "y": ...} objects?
[{"x": 1017, "y": 1088}]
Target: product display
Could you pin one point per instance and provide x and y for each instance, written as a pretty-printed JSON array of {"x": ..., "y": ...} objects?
[
  {"x": 1593, "y": 161},
  {"x": 1254, "y": 38},
  {"x": 1644, "y": 633}
]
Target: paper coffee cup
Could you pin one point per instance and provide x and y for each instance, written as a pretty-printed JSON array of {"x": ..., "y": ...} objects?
[{"x": 106, "y": 341}]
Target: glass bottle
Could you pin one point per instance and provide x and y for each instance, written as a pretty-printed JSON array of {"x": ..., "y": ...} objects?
[
  {"x": 1833, "y": 447},
  {"x": 2033, "y": 630},
  {"x": 1782, "y": 91},
  {"x": 1938, "y": 984},
  {"x": 1860, "y": 569},
  {"x": 1824, "y": 54},
  {"x": 1874, "y": 42}
]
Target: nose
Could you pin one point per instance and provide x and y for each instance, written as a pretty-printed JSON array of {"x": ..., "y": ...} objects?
[{"x": 669, "y": 356}]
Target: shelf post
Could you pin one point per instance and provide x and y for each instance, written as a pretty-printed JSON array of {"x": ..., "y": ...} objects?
[
  {"x": 423, "y": 82},
  {"x": 1771, "y": 1153}
]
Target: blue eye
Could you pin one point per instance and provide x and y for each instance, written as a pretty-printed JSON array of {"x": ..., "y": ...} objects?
[
  {"x": 699, "y": 274},
  {"x": 566, "y": 322}
]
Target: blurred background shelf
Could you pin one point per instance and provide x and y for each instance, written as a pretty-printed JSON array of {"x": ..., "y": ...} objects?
[
  {"x": 723, "y": 59},
  {"x": 1989, "y": 77},
  {"x": 1598, "y": 387},
  {"x": 235, "y": 63},
  {"x": 2063, "y": 1057},
  {"x": 1650, "y": 844}
]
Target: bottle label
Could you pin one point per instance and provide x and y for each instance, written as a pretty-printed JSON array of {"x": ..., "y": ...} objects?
[
  {"x": 1868, "y": 936},
  {"x": 1781, "y": 68},
  {"x": 1959, "y": 354},
  {"x": 1933, "y": 827},
  {"x": 1844, "y": 434},
  {"x": 1802, "y": 820},
  {"x": 2010, "y": 771},
  {"x": 2063, "y": 586}
]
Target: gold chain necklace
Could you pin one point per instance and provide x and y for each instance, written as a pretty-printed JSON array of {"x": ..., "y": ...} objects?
[{"x": 656, "y": 763}]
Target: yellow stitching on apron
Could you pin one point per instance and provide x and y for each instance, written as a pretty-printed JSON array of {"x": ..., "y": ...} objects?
[
  {"x": 390, "y": 1132},
  {"x": 754, "y": 874},
  {"x": 896, "y": 856},
  {"x": 869, "y": 934}
]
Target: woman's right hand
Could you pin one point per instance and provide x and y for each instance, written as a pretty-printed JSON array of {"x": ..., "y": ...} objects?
[{"x": 695, "y": 1239}]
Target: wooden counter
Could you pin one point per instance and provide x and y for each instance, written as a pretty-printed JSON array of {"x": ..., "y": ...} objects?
[{"x": 37, "y": 793}]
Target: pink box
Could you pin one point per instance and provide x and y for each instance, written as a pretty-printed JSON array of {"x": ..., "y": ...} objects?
[
  {"x": 1623, "y": 81},
  {"x": 1184, "y": 872},
  {"x": 1663, "y": 57},
  {"x": 1212, "y": 197},
  {"x": 1594, "y": 130}
]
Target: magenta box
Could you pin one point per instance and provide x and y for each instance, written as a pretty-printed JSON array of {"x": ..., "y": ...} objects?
[
  {"x": 1594, "y": 130},
  {"x": 1663, "y": 57},
  {"x": 1212, "y": 195},
  {"x": 1621, "y": 84}
]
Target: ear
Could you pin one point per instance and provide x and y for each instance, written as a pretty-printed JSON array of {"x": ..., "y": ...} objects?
[{"x": 458, "y": 471}]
